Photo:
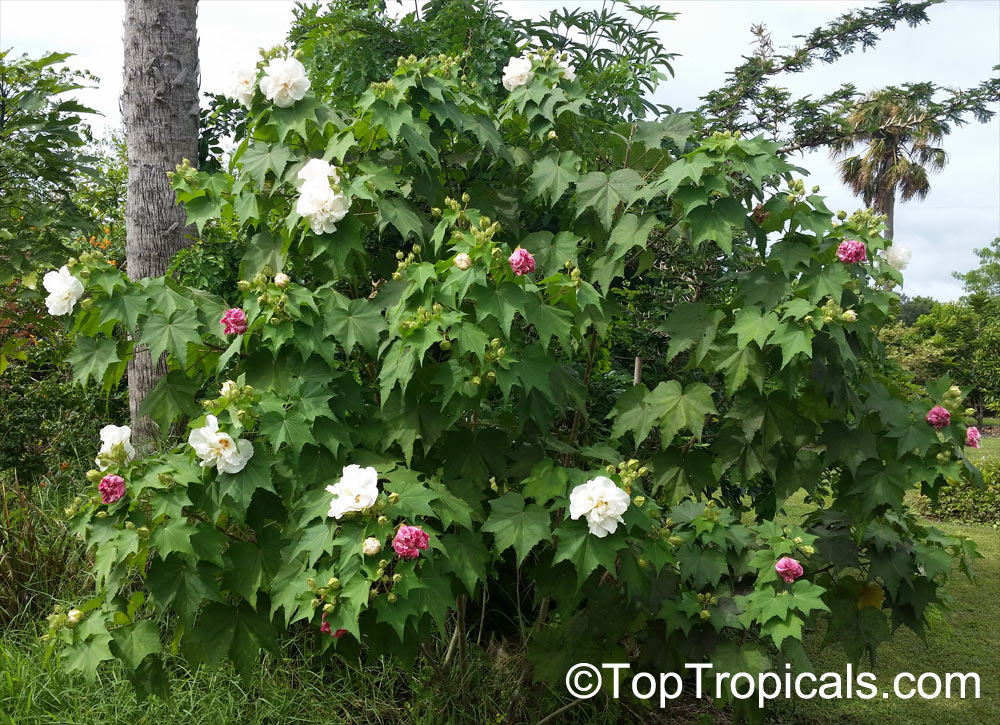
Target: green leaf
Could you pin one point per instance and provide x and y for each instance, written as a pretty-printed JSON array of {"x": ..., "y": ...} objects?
[
  {"x": 172, "y": 396},
  {"x": 236, "y": 632},
  {"x": 260, "y": 158},
  {"x": 355, "y": 322},
  {"x": 604, "y": 193},
  {"x": 677, "y": 409},
  {"x": 793, "y": 339},
  {"x": 500, "y": 303},
  {"x": 239, "y": 487},
  {"x": 466, "y": 557},
  {"x": 174, "y": 535},
  {"x": 551, "y": 176},
  {"x": 584, "y": 550},
  {"x": 633, "y": 413},
  {"x": 630, "y": 232},
  {"x": 752, "y": 324},
  {"x": 400, "y": 213},
  {"x": 715, "y": 223},
  {"x": 244, "y": 570},
  {"x": 89, "y": 647},
  {"x": 701, "y": 566},
  {"x": 170, "y": 334},
  {"x": 288, "y": 427},
  {"x": 552, "y": 251},
  {"x": 691, "y": 324},
  {"x": 514, "y": 524},
  {"x": 546, "y": 482},
  {"x": 133, "y": 643},
  {"x": 91, "y": 358},
  {"x": 176, "y": 581}
]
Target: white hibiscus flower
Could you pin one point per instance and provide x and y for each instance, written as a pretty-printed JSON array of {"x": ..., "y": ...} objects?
[
  {"x": 601, "y": 502},
  {"x": 284, "y": 82},
  {"x": 899, "y": 256},
  {"x": 356, "y": 490},
  {"x": 111, "y": 436},
  {"x": 517, "y": 72},
  {"x": 217, "y": 448},
  {"x": 64, "y": 290},
  {"x": 321, "y": 206},
  {"x": 318, "y": 171},
  {"x": 243, "y": 85}
]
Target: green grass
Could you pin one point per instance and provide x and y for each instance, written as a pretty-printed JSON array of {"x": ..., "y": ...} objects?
[
  {"x": 964, "y": 640},
  {"x": 988, "y": 446}
]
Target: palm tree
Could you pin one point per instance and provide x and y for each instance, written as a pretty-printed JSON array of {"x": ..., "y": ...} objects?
[{"x": 900, "y": 138}]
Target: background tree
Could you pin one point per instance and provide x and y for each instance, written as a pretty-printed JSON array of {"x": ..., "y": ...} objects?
[
  {"x": 160, "y": 113},
  {"x": 911, "y": 308},
  {"x": 901, "y": 144}
]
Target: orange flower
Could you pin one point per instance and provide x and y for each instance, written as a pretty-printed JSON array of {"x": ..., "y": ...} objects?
[{"x": 113, "y": 263}]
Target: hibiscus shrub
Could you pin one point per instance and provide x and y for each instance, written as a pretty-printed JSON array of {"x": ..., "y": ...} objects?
[{"x": 392, "y": 429}]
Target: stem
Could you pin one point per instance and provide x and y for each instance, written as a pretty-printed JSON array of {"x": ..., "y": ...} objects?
[
  {"x": 560, "y": 711},
  {"x": 578, "y": 416}
]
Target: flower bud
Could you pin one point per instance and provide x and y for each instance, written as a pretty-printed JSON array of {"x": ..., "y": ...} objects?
[
  {"x": 393, "y": 498},
  {"x": 311, "y": 583},
  {"x": 466, "y": 198},
  {"x": 101, "y": 514},
  {"x": 641, "y": 561},
  {"x": 243, "y": 285},
  {"x": 382, "y": 521},
  {"x": 807, "y": 550},
  {"x": 417, "y": 249},
  {"x": 397, "y": 578},
  {"x": 445, "y": 345},
  {"x": 371, "y": 546},
  {"x": 315, "y": 603},
  {"x": 463, "y": 261},
  {"x": 282, "y": 280},
  {"x": 553, "y": 136},
  {"x": 130, "y": 526},
  {"x": 391, "y": 598},
  {"x": 334, "y": 583},
  {"x": 94, "y": 476},
  {"x": 143, "y": 532},
  {"x": 639, "y": 501},
  {"x": 705, "y": 615},
  {"x": 849, "y": 316},
  {"x": 266, "y": 270},
  {"x": 73, "y": 618},
  {"x": 382, "y": 563},
  {"x": 328, "y": 608},
  {"x": 87, "y": 303}
]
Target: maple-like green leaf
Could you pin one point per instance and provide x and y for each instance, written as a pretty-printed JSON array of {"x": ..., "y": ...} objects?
[
  {"x": 238, "y": 633},
  {"x": 170, "y": 334},
  {"x": 135, "y": 642},
  {"x": 172, "y": 396},
  {"x": 91, "y": 357},
  {"x": 605, "y": 192},
  {"x": 552, "y": 174},
  {"x": 467, "y": 557},
  {"x": 355, "y": 322},
  {"x": 586, "y": 551},
  {"x": 184, "y": 585},
  {"x": 691, "y": 324},
  {"x": 399, "y": 213},
  {"x": 793, "y": 340},
  {"x": 715, "y": 223},
  {"x": 501, "y": 303},
  {"x": 261, "y": 158},
  {"x": 514, "y": 524},
  {"x": 174, "y": 535},
  {"x": 552, "y": 251},
  {"x": 701, "y": 567}
]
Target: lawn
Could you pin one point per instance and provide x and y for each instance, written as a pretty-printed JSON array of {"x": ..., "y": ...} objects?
[{"x": 964, "y": 640}]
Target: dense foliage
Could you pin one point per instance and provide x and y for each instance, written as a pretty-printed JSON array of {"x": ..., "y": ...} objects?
[
  {"x": 970, "y": 504},
  {"x": 438, "y": 318}
]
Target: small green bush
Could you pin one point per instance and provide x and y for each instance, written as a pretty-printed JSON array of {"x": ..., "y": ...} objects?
[{"x": 966, "y": 503}]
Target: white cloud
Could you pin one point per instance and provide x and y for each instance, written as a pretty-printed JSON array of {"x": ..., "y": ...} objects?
[{"x": 958, "y": 47}]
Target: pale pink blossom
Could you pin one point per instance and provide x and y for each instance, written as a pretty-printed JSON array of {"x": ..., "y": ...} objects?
[
  {"x": 851, "y": 251},
  {"x": 234, "y": 322},
  {"x": 112, "y": 488},
  {"x": 788, "y": 569},
  {"x": 410, "y": 541},
  {"x": 972, "y": 436},
  {"x": 938, "y": 417},
  {"x": 522, "y": 262},
  {"x": 463, "y": 261}
]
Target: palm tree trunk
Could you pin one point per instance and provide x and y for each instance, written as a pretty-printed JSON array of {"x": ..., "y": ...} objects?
[
  {"x": 160, "y": 112},
  {"x": 890, "y": 215}
]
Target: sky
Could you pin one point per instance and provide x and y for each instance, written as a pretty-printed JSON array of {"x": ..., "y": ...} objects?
[{"x": 958, "y": 48}]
